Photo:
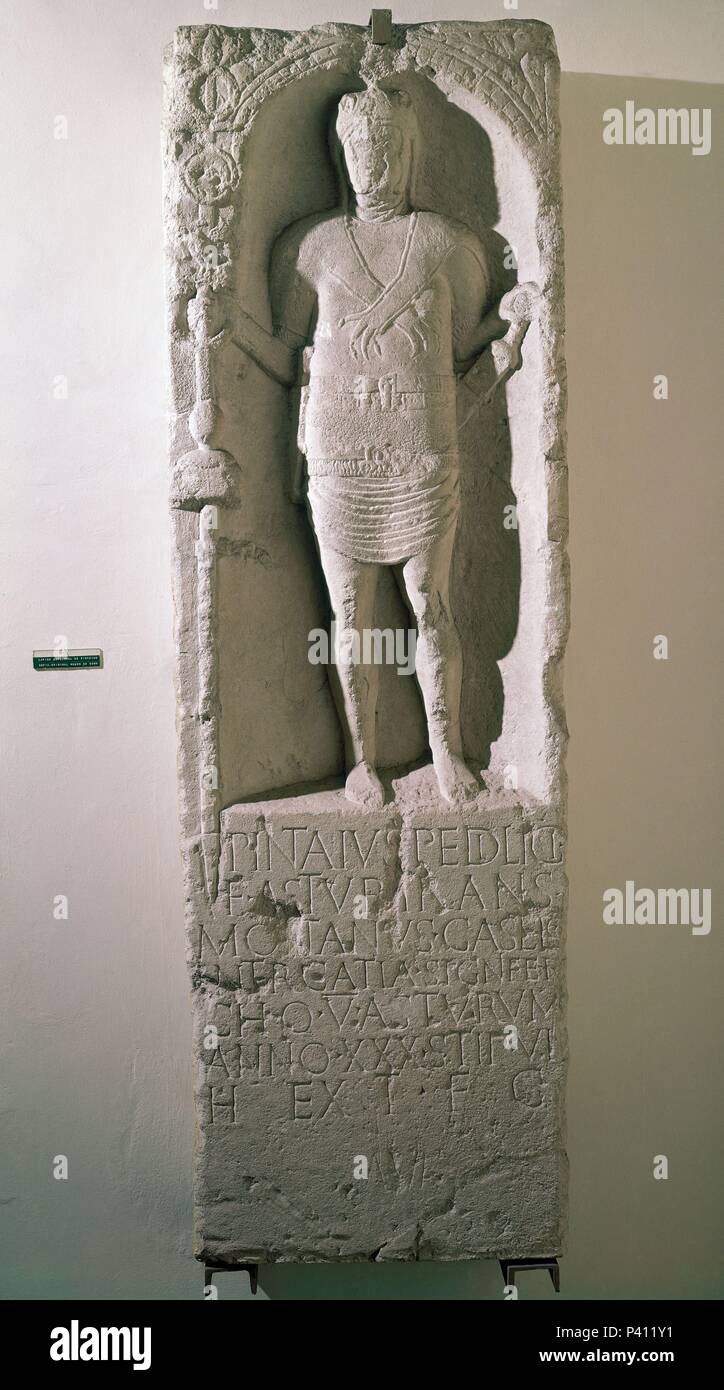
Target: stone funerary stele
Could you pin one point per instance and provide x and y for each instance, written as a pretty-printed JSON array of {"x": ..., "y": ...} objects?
[{"x": 368, "y": 486}]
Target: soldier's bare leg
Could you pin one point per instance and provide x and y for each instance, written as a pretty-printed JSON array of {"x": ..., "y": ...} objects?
[
  {"x": 425, "y": 580},
  {"x": 352, "y": 586}
]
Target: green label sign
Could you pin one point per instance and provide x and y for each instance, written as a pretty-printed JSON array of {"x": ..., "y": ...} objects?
[{"x": 68, "y": 661}]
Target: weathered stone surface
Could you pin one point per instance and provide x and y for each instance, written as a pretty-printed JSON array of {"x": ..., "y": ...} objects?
[{"x": 365, "y": 315}]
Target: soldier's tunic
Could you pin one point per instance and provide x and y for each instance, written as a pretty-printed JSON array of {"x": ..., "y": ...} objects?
[{"x": 378, "y": 415}]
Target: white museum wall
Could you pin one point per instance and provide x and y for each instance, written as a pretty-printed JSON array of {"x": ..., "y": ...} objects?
[{"x": 96, "y": 1017}]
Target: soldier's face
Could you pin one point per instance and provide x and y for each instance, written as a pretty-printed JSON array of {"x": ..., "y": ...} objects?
[{"x": 377, "y": 162}]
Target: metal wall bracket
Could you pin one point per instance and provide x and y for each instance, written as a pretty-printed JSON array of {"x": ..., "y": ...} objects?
[
  {"x": 251, "y": 1270},
  {"x": 381, "y": 26},
  {"x": 509, "y": 1269}
]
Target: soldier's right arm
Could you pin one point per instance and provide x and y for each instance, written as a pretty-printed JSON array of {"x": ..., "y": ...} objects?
[
  {"x": 294, "y": 305},
  {"x": 291, "y": 283},
  {"x": 292, "y": 301}
]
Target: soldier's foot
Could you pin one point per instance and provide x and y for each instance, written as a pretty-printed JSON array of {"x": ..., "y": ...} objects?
[
  {"x": 364, "y": 786},
  {"x": 456, "y": 781}
]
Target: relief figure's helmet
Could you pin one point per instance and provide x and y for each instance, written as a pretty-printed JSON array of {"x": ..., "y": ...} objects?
[
  {"x": 381, "y": 120},
  {"x": 368, "y": 112}
]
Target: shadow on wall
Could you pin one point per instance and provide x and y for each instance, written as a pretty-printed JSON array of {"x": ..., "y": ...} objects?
[{"x": 486, "y": 563}]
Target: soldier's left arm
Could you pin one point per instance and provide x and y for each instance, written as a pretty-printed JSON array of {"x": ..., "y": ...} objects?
[
  {"x": 476, "y": 321},
  {"x": 479, "y": 321}
]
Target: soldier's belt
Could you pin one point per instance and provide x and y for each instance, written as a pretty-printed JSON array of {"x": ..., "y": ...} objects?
[
  {"x": 395, "y": 389},
  {"x": 384, "y": 463}
]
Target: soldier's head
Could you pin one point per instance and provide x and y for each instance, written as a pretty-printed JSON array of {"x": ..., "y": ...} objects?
[{"x": 377, "y": 131}]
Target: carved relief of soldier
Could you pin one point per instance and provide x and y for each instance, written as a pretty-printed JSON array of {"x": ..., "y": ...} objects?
[{"x": 379, "y": 310}]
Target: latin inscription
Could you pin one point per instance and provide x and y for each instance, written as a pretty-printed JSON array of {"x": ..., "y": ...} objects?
[{"x": 353, "y": 963}]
